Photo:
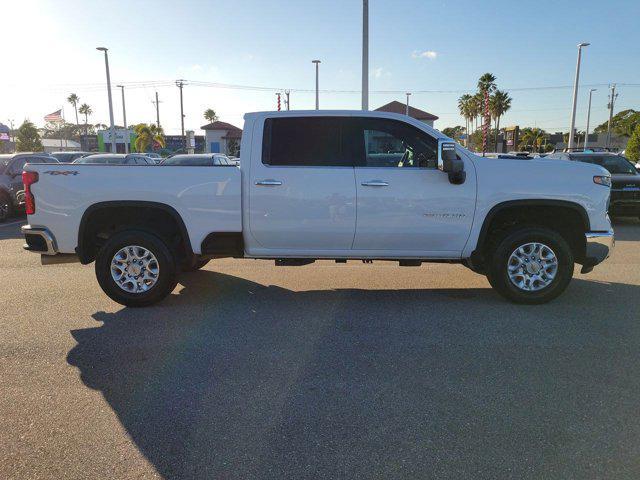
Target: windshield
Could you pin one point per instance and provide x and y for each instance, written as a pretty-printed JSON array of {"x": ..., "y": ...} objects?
[{"x": 613, "y": 163}]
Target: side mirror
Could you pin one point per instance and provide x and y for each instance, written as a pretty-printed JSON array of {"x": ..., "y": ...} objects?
[{"x": 448, "y": 161}]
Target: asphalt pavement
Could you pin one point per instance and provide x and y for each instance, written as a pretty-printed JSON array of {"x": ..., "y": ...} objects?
[{"x": 324, "y": 371}]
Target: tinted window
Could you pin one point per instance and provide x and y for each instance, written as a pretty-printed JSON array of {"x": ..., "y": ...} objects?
[
  {"x": 613, "y": 163},
  {"x": 391, "y": 143},
  {"x": 305, "y": 142}
]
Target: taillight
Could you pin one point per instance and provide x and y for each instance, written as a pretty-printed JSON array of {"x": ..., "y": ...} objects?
[{"x": 29, "y": 178}]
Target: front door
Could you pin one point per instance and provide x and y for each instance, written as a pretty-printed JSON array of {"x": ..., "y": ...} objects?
[
  {"x": 302, "y": 191},
  {"x": 406, "y": 206}
]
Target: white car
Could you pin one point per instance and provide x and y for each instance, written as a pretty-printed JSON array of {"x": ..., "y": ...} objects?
[{"x": 326, "y": 185}]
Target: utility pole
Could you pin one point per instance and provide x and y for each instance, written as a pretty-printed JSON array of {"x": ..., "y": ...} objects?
[
  {"x": 586, "y": 134},
  {"x": 112, "y": 127},
  {"x": 157, "y": 104},
  {"x": 612, "y": 99},
  {"x": 365, "y": 55},
  {"x": 575, "y": 97},
  {"x": 407, "y": 109},
  {"x": 317, "y": 62},
  {"x": 286, "y": 93},
  {"x": 180, "y": 84},
  {"x": 124, "y": 117}
]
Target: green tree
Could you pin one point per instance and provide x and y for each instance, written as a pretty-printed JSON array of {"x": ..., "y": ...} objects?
[
  {"x": 148, "y": 135},
  {"x": 623, "y": 123},
  {"x": 86, "y": 111},
  {"x": 464, "y": 106},
  {"x": 499, "y": 103},
  {"x": 533, "y": 139},
  {"x": 454, "y": 132},
  {"x": 632, "y": 151},
  {"x": 73, "y": 99},
  {"x": 487, "y": 83},
  {"x": 233, "y": 147},
  {"x": 28, "y": 139},
  {"x": 210, "y": 115}
]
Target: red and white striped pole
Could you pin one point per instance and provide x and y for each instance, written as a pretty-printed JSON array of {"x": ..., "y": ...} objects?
[
  {"x": 278, "y": 95},
  {"x": 487, "y": 121}
]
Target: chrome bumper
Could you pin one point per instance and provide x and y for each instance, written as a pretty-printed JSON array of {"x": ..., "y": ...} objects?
[
  {"x": 599, "y": 247},
  {"x": 39, "y": 240}
]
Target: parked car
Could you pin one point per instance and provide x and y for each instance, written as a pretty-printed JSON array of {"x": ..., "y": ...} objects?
[
  {"x": 11, "y": 187},
  {"x": 156, "y": 157},
  {"x": 115, "y": 159},
  {"x": 68, "y": 157},
  {"x": 304, "y": 179},
  {"x": 625, "y": 179},
  {"x": 198, "y": 160}
]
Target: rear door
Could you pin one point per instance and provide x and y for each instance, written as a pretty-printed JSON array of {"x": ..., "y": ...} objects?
[
  {"x": 302, "y": 189},
  {"x": 406, "y": 206}
]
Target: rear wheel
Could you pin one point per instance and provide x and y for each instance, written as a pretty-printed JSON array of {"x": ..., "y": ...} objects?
[
  {"x": 531, "y": 265},
  {"x": 136, "y": 269},
  {"x": 6, "y": 208}
]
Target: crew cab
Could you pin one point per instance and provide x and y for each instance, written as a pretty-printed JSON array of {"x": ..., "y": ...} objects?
[{"x": 331, "y": 185}]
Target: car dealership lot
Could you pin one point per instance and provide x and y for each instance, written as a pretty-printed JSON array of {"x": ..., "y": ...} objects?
[{"x": 336, "y": 371}]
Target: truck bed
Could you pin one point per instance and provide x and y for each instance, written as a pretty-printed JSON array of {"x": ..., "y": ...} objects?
[{"x": 207, "y": 199}]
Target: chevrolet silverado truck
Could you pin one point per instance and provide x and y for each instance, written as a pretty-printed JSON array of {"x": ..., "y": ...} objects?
[{"x": 333, "y": 185}]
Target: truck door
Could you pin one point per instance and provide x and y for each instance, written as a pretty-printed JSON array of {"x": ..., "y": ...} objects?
[
  {"x": 302, "y": 189},
  {"x": 406, "y": 206}
]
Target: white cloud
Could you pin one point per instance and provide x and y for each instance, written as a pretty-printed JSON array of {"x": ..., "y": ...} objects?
[
  {"x": 430, "y": 54},
  {"x": 380, "y": 72}
]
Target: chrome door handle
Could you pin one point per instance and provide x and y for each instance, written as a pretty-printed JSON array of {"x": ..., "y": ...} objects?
[
  {"x": 265, "y": 183},
  {"x": 375, "y": 183}
]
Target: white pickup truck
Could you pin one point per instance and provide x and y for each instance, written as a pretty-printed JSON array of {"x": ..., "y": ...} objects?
[{"x": 325, "y": 185}]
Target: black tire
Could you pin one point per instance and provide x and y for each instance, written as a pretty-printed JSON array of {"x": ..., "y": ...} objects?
[
  {"x": 197, "y": 264},
  {"x": 498, "y": 275},
  {"x": 166, "y": 279},
  {"x": 6, "y": 207}
]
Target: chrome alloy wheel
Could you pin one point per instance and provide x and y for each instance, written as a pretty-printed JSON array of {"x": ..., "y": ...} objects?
[
  {"x": 135, "y": 269},
  {"x": 532, "y": 266}
]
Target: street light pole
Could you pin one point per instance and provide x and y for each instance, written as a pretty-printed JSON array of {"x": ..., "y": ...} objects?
[
  {"x": 317, "y": 62},
  {"x": 586, "y": 135},
  {"x": 112, "y": 128},
  {"x": 365, "y": 55},
  {"x": 124, "y": 117},
  {"x": 407, "y": 109},
  {"x": 575, "y": 96}
]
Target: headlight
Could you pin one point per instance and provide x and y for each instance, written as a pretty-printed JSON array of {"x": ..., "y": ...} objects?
[{"x": 603, "y": 180}]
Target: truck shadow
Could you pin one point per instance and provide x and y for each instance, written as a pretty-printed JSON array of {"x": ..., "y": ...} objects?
[{"x": 234, "y": 379}]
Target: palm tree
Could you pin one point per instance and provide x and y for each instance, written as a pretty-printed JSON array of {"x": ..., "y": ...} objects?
[
  {"x": 86, "y": 111},
  {"x": 148, "y": 135},
  {"x": 487, "y": 83},
  {"x": 210, "y": 114},
  {"x": 499, "y": 103},
  {"x": 464, "y": 103},
  {"x": 532, "y": 138},
  {"x": 73, "y": 99}
]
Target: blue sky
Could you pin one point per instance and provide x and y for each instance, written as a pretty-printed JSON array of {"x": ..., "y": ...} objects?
[{"x": 271, "y": 44}]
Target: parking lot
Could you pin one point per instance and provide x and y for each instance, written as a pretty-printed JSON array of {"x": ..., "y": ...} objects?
[{"x": 322, "y": 371}]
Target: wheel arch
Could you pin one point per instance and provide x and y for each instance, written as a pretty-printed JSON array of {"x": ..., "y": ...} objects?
[{"x": 86, "y": 249}]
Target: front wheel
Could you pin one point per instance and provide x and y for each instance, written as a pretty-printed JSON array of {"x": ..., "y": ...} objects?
[
  {"x": 136, "y": 269},
  {"x": 531, "y": 265}
]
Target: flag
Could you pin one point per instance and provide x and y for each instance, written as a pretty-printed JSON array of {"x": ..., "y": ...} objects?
[{"x": 54, "y": 117}]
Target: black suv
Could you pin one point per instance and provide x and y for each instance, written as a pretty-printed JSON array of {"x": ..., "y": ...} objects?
[
  {"x": 625, "y": 179},
  {"x": 11, "y": 187}
]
